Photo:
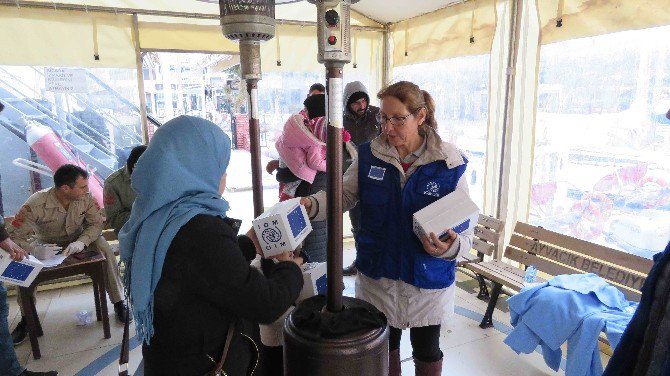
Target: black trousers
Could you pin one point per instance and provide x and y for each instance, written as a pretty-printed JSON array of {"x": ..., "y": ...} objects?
[
  {"x": 425, "y": 342},
  {"x": 273, "y": 360}
]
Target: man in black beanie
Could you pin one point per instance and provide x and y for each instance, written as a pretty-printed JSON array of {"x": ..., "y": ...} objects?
[
  {"x": 359, "y": 116},
  {"x": 361, "y": 122}
]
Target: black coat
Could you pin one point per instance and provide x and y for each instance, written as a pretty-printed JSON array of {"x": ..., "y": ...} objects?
[
  {"x": 315, "y": 243},
  {"x": 364, "y": 128},
  {"x": 626, "y": 356},
  {"x": 205, "y": 285}
]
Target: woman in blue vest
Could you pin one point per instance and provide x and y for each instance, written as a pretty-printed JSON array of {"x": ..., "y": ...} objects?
[{"x": 403, "y": 170}]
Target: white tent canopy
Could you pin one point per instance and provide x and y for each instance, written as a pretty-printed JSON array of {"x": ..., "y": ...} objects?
[{"x": 381, "y": 11}]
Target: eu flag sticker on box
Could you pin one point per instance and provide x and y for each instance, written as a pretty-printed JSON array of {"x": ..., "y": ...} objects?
[
  {"x": 282, "y": 227},
  {"x": 454, "y": 211},
  {"x": 314, "y": 279},
  {"x": 20, "y": 273}
]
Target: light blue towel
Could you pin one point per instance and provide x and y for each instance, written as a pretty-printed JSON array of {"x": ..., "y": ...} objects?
[{"x": 573, "y": 308}]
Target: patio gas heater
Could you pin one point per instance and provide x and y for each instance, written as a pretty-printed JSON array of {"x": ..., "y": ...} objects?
[
  {"x": 335, "y": 335},
  {"x": 250, "y": 22}
]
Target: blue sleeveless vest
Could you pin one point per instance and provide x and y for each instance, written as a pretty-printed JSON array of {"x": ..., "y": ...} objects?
[{"x": 386, "y": 245}]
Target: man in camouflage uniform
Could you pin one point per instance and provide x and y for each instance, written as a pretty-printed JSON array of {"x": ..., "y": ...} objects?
[
  {"x": 68, "y": 216},
  {"x": 119, "y": 196}
]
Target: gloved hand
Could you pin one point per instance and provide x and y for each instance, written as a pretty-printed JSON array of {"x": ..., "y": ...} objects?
[{"x": 74, "y": 247}]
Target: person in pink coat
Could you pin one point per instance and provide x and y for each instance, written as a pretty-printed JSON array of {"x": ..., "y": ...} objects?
[
  {"x": 303, "y": 153},
  {"x": 302, "y": 144}
]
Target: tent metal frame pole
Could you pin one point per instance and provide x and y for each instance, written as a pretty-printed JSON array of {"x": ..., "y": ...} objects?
[
  {"x": 508, "y": 121},
  {"x": 387, "y": 73},
  {"x": 140, "y": 81},
  {"x": 151, "y": 12}
]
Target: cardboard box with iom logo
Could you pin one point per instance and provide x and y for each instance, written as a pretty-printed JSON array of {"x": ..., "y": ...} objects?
[
  {"x": 454, "y": 211},
  {"x": 315, "y": 281},
  {"x": 282, "y": 227}
]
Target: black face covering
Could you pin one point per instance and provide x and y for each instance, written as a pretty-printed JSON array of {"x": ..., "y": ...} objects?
[{"x": 315, "y": 105}]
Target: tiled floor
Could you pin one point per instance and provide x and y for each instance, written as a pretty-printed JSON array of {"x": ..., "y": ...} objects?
[{"x": 75, "y": 350}]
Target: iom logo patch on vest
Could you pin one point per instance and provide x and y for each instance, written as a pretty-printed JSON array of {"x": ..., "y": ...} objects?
[
  {"x": 432, "y": 189},
  {"x": 377, "y": 173}
]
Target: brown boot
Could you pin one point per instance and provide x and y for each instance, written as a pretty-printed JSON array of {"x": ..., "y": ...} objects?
[
  {"x": 427, "y": 369},
  {"x": 394, "y": 362}
]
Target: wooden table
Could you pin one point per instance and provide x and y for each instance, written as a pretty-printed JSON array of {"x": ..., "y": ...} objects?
[{"x": 93, "y": 266}]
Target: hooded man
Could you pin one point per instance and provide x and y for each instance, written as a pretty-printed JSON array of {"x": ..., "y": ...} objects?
[
  {"x": 360, "y": 119},
  {"x": 359, "y": 116}
]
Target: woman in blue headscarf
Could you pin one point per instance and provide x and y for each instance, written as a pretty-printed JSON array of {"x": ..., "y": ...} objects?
[{"x": 187, "y": 271}]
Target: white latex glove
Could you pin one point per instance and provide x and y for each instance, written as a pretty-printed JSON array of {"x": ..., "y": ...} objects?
[{"x": 74, "y": 247}]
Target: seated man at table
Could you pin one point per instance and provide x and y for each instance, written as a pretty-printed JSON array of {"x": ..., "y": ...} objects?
[{"x": 67, "y": 215}]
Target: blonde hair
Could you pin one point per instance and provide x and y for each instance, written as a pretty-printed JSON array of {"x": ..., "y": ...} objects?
[{"x": 413, "y": 98}]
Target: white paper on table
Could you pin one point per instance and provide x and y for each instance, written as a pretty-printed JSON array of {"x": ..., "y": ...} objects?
[{"x": 54, "y": 261}]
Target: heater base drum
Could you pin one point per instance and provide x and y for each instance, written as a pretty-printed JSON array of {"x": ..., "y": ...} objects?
[{"x": 318, "y": 343}]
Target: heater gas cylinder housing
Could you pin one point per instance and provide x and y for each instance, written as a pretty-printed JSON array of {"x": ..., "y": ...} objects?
[
  {"x": 250, "y": 22},
  {"x": 333, "y": 30}
]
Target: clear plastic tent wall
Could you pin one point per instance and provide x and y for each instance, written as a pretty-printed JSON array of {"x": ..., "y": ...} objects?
[{"x": 59, "y": 37}]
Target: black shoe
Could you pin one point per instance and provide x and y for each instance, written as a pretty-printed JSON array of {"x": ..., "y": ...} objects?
[
  {"x": 121, "y": 309},
  {"x": 33, "y": 373},
  {"x": 350, "y": 270},
  {"x": 19, "y": 333}
]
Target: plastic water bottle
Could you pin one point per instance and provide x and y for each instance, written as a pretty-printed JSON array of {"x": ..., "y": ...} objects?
[
  {"x": 531, "y": 273},
  {"x": 84, "y": 317}
]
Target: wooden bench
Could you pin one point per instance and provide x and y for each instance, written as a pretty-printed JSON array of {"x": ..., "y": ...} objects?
[
  {"x": 486, "y": 241},
  {"x": 553, "y": 253}
]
